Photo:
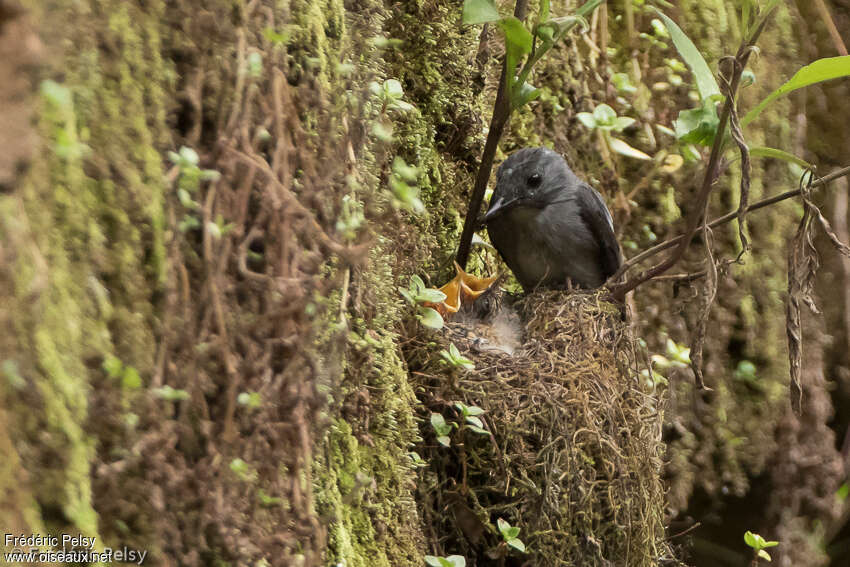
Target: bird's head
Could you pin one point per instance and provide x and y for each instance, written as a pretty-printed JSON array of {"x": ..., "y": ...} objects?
[{"x": 530, "y": 178}]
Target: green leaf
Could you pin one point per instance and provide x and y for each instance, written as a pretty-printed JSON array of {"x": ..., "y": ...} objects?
[
  {"x": 623, "y": 83},
  {"x": 779, "y": 154},
  {"x": 698, "y": 125},
  {"x": 512, "y": 532},
  {"x": 587, "y": 119},
  {"x": 479, "y": 12},
  {"x": 433, "y": 561},
  {"x": 516, "y": 34},
  {"x": 525, "y": 94},
  {"x": 622, "y": 148},
  {"x": 438, "y": 422},
  {"x": 472, "y": 420},
  {"x": 444, "y": 441},
  {"x": 392, "y": 89},
  {"x": 431, "y": 295},
  {"x": 770, "y": 544},
  {"x": 622, "y": 122},
  {"x": 816, "y": 72},
  {"x": 543, "y": 11},
  {"x": 764, "y": 555},
  {"x": 474, "y": 410},
  {"x": 546, "y": 32},
  {"x": 517, "y": 544},
  {"x": 113, "y": 366},
  {"x": 706, "y": 83},
  {"x": 406, "y": 172},
  {"x": 502, "y": 525},
  {"x": 170, "y": 394},
  {"x": 750, "y": 539},
  {"x": 416, "y": 284},
  {"x": 478, "y": 430},
  {"x": 604, "y": 115},
  {"x": 430, "y": 318}
]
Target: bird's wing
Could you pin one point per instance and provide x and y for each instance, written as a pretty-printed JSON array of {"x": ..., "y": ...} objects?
[{"x": 596, "y": 217}]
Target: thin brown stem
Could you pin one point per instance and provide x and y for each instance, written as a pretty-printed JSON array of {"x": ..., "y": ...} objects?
[
  {"x": 694, "y": 220},
  {"x": 648, "y": 253},
  {"x": 501, "y": 113}
]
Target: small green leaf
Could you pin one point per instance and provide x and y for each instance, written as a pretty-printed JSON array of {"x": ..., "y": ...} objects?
[
  {"x": 604, "y": 115},
  {"x": 479, "y": 12},
  {"x": 706, "y": 83},
  {"x": 698, "y": 125},
  {"x": 189, "y": 156},
  {"x": 770, "y": 544},
  {"x": 546, "y": 32},
  {"x": 478, "y": 430},
  {"x": 622, "y": 148},
  {"x": 431, "y": 295},
  {"x": 444, "y": 441},
  {"x": 502, "y": 525},
  {"x": 764, "y": 555},
  {"x": 392, "y": 89},
  {"x": 472, "y": 420},
  {"x": 587, "y": 119},
  {"x": 113, "y": 366},
  {"x": 516, "y": 34},
  {"x": 818, "y": 71},
  {"x": 517, "y": 544},
  {"x": 512, "y": 532},
  {"x": 622, "y": 122},
  {"x": 750, "y": 539},
  {"x": 779, "y": 154},
  {"x": 255, "y": 65},
  {"x": 438, "y": 422},
  {"x": 474, "y": 410},
  {"x": 406, "y": 172},
  {"x": 525, "y": 94},
  {"x": 623, "y": 83},
  {"x": 170, "y": 394},
  {"x": 251, "y": 400},
  {"x": 430, "y": 318}
]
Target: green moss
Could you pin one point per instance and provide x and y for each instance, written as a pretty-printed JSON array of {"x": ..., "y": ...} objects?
[{"x": 86, "y": 235}]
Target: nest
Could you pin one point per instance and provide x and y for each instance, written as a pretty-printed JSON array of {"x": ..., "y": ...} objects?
[{"x": 573, "y": 455}]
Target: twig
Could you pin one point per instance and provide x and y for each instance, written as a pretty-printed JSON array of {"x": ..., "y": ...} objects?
[
  {"x": 726, "y": 218},
  {"x": 830, "y": 26},
  {"x": 694, "y": 220},
  {"x": 501, "y": 113}
]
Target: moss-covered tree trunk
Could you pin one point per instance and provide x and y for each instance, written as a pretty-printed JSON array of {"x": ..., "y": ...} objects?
[{"x": 212, "y": 367}]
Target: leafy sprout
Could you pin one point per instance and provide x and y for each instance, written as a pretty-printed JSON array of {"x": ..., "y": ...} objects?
[
  {"x": 470, "y": 416},
  {"x": 509, "y": 535},
  {"x": 416, "y": 294},
  {"x": 759, "y": 544},
  {"x": 605, "y": 119},
  {"x": 442, "y": 428},
  {"x": 450, "y": 561},
  {"x": 453, "y": 357}
]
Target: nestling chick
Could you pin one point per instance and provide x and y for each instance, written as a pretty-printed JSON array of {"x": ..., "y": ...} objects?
[{"x": 552, "y": 229}]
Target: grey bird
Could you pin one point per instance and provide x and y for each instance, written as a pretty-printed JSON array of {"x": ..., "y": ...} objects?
[{"x": 552, "y": 229}]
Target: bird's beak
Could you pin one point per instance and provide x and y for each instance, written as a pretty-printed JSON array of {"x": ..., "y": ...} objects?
[{"x": 499, "y": 207}]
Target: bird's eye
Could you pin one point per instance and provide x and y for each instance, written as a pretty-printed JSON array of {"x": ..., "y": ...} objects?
[{"x": 534, "y": 180}]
